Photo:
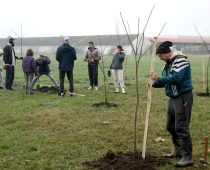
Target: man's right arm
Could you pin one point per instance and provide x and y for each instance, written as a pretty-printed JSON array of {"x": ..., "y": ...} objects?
[
  {"x": 6, "y": 54},
  {"x": 46, "y": 60},
  {"x": 157, "y": 84},
  {"x": 58, "y": 54},
  {"x": 99, "y": 55},
  {"x": 75, "y": 55},
  {"x": 86, "y": 56}
]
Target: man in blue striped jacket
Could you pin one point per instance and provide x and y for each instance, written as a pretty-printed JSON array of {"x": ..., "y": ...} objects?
[{"x": 176, "y": 78}]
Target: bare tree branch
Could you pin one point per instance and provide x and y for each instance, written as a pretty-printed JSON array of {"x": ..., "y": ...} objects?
[
  {"x": 206, "y": 46},
  {"x": 127, "y": 34},
  {"x": 142, "y": 37}
]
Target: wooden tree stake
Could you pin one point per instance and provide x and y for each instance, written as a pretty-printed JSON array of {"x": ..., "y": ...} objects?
[
  {"x": 149, "y": 97},
  {"x": 204, "y": 74},
  {"x": 204, "y": 160}
]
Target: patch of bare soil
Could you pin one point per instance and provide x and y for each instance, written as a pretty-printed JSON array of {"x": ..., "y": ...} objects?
[
  {"x": 47, "y": 89},
  {"x": 124, "y": 161},
  {"x": 204, "y": 94}
]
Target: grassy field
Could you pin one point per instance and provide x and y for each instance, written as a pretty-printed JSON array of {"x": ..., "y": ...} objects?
[{"x": 43, "y": 131}]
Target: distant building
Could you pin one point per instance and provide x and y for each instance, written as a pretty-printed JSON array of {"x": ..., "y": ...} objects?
[
  {"x": 188, "y": 45},
  {"x": 106, "y": 44}
]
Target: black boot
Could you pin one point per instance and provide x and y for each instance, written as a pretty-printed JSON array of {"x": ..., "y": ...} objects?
[
  {"x": 185, "y": 161},
  {"x": 186, "y": 147},
  {"x": 177, "y": 148},
  {"x": 175, "y": 153}
]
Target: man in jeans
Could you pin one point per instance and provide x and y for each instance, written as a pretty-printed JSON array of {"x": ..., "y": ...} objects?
[
  {"x": 9, "y": 58},
  {"x": 176, "y": 78},
  {"x": 66, "y": 55},
  {"x": 92, "y": 57}
]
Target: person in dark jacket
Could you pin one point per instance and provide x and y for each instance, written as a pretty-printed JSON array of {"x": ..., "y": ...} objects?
[
  {"x": 117, "y": 69},
  {"x": 29, "y": 69},
  {"x": 92, "y": 57},
  {"x": 9, "y": 58},
  {"x": 42, "y": 65},
  {"x": 66, "y": 55},
  {"x": 176, "y": 78}
]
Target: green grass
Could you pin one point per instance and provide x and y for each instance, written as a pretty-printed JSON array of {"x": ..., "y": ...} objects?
[{"x": 43, "y": 131}]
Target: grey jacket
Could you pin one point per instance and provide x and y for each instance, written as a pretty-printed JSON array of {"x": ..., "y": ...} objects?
[{"x": 117, "y": 61}]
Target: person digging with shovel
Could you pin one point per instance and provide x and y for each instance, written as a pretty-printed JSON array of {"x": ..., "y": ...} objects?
[{"x": 176, "y": 78}]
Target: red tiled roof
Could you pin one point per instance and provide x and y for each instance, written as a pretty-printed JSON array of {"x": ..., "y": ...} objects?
[{"x": 183, "y": 40}]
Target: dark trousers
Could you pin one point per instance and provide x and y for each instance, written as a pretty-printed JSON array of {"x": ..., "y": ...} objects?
[
  {"x": 70, "y": 78},
  {"x": 10, "y": 72},
  {"x": 178, "y": 120},
  {"x": 93, "y": 74}
]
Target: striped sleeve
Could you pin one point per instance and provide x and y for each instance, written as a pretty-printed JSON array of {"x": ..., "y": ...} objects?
[{"x": 179, "y": 64}]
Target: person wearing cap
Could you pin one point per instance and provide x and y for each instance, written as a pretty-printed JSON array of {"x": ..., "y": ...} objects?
[
  {"x": 42, "y": 65},
  {"x": 9, "y": 58},
  {"x": 176, "y": 78},
  {"x": 92, "y": 57},
  {"x": 117, "y": 69},
  {"x": 66, "y": 55},
  {"x": 1, "y": 79}
]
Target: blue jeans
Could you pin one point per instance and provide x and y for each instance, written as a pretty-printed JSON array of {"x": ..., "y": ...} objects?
[
  {"x": 28, "y": 82},
  {"x": 10, "y": 72}
]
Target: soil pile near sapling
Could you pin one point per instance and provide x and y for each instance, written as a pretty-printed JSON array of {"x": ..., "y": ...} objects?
[
  {"x": 124, "y": 161},
  {"x": 47, "y": 89}
]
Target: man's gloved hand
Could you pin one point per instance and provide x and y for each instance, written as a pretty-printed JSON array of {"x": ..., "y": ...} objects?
[{"x": 20, "y": 58}]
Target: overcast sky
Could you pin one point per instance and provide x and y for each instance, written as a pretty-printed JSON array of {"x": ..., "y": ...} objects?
[{"x": 93, "y": 17}]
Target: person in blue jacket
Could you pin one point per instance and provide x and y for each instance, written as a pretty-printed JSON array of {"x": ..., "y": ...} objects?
[
  {"x": 176, "y": 78},
  {"x": 66, "y": 55}
]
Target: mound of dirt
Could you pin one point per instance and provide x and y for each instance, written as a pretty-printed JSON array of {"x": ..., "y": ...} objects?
[
  {"x": 106, "y": 104},
  {"x": 124, "y": 161},
  {"x": 47, "y": 89}
]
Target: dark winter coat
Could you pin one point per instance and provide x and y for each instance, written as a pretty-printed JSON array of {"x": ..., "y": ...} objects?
[
  {"x": 117, "y": 61},
  {"x": 29, "y": 65},
  {"x": 66, "y": 55},
  {"x": 7, "y": 56},
  {"x": 42, "y": 65},
  {"x": 176, "y": 76}
]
